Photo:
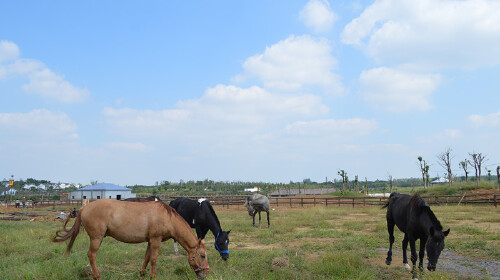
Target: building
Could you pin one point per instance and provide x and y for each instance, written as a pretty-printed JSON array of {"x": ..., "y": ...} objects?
[{"x": 100, "y": 191}]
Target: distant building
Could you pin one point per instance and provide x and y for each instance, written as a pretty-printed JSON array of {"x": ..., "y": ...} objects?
[
  {"x": 254, "y": 189},
  {"x": 440, "y": 181},
  {"x": 7, "y": 191},
  {"x": 292, "y": 192},
  {"x": 100, "y": 191}
]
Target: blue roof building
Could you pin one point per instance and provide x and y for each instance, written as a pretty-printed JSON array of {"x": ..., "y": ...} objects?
[{"x": 100, "y": 191}]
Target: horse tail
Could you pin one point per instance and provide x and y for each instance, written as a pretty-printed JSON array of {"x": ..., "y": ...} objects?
[{"x": 64, "y": 234}]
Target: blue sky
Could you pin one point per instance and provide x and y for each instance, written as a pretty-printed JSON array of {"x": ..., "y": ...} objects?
[{"x": 135, "y": 93}]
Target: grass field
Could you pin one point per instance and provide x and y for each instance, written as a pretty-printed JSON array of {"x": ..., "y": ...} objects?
[{"x": 317, "y": 243}]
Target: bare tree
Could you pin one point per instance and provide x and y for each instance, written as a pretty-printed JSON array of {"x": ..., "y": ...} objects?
[
  {"x": 498, "y": 176},
  {"x": 390, "y": 182},
  {"x": 356, "y": 183},
  {"x": 424, "y": 169},
  {"x": 465, "y": 166},
  {"x": 343, "y": 174},
  {"x": 445, "y": 162},
  {"x": 477, "y": 160}
]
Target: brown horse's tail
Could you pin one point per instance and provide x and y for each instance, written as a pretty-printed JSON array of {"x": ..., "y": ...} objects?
[{"x": 64, "y": 234}]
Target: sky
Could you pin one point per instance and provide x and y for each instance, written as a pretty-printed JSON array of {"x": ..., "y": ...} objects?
[{"x": 142, "y": 92}]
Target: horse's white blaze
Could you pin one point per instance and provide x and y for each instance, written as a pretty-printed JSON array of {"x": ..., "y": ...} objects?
[
  {"x": 156, "y": 199},
  {"x": 193, "y": 221},
  {"x": 201, "y": 200},
  {"x": 407, "y": 266}
]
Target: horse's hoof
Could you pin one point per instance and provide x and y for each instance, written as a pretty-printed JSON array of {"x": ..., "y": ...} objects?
[
  {"x": 407, "y": 266},
  {"x": 388, "y": 262}
]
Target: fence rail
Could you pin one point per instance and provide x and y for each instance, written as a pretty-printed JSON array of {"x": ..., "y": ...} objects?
[{"x": 307, "y": 201}]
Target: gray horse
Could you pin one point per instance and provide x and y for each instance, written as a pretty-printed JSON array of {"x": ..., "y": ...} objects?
[{"x": 257, "y": 203}]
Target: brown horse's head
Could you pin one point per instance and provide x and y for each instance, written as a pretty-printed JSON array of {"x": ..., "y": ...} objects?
[{"x": 198, "y": 259}]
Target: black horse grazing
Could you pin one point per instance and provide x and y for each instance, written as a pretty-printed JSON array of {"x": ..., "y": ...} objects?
[
  {"x": 257, "y": 203},
  {"x": 143, "y": 199},
  {"x": 200, "y": 215},
  {"x": 415, "y": 219}
]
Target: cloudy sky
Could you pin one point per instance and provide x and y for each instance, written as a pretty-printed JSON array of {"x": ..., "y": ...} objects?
[{"x": 135, "y": 93}]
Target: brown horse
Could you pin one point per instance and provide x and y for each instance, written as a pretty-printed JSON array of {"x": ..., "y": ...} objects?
[{"x": 136, "y": 222}]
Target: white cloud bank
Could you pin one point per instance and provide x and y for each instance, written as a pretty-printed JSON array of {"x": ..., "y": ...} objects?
[
  {"x": 41, "y": 80},
  {"x": 317, "y": 15},
  {"x": 491, "y": 120},
  {"x": 38, "y": 124},
  {"x": 429, "y": 34},
  {"x": 398, "y": 91},
  {"x": 293, "y": 64}
]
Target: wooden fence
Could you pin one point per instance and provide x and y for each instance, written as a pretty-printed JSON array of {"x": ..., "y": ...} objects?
[
  {"x": 356, "y": 201},
  {"x": 308, "y": 201}
]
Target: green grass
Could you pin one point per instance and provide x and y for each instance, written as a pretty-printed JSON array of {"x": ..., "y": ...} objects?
[{"x": 319, "y": 243}]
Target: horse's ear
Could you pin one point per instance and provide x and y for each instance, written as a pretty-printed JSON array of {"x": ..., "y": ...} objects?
[
  {"x": 431, "y": 231},
  {"x": 446, "y": 232},
  {"x": 228, "y": 231}
]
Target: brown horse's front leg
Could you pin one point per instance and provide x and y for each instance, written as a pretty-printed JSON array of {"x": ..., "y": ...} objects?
[
  {"x": 147, "y": 257},
  {"x": 154, "y": 245},
  {"x": 92, "y": 253}
]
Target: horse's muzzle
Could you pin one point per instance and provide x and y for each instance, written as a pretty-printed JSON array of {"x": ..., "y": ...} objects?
[
  {"x": 224, "y": 256},
  {"x": 431, "y": 267},
  {"x": 202, "y": 271}
]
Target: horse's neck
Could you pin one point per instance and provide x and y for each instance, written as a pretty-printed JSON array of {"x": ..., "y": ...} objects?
[
  {"x": 183, "y": 234},
  {"x": 214, "y": 226},
  {"x": 426, "y": 222}
]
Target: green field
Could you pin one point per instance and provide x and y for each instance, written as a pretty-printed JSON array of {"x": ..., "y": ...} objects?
[{"x": 317, "y": 243}]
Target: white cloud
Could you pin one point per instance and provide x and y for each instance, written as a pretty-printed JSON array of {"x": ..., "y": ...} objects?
[
  {"x": 41, "y": 80},
  {"x": 317, "y": 15},
  {"x": 48, "y": 84},
  {"x": 126, "y": 146},
  {"x": 429, "y": 33},
  {"x": 333, "y": 128},
  {"x": 491, "y": 120},
  {"x": 398, "y": 91},
  {"x": 8, "y": 51},
  {"x": 295, "y": 63},
  {"x": 37, "y": 125},
  {"x": 222, "y": 110}
]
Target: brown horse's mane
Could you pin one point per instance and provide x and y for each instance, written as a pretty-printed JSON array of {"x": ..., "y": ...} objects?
[
  {"x": 419, "y": 205},
  {"x": 170, "y": 210}
]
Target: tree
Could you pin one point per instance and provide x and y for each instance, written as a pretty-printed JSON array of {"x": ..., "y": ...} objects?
[
  {"x": 477, "y": 160},
  {"x": 445, "y": 162},
  {"x": 343, "y": 174},
  {"x": 424, "y": 169},
  {"x": 464, "y": 165},
  {"x": 498, "y": 176},
  {"x": 356, "y": 183},
  {"x": 390, "y": 183}
]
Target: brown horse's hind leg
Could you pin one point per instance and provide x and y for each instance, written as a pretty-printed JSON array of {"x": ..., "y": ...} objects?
[
  {"x": 146, "y": 261},
  {"x": 95, "y": 243},
  {"x": 154, "y": 245}
]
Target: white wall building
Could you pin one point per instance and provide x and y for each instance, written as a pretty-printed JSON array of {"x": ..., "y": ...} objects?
[{"x": 100, "y": 191}]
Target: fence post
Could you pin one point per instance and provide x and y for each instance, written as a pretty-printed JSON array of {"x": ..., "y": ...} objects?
[
  {"x": 302, "y": 202},
  {"x": 364, "y": 201},
  {"x": 314, "y": 201},
  {"x": 326, "y": 202},
  {"x": 353, "y": 202},
  {"x": 290, "y": 202},
  {"x": 338, "y": 197},
  {"x": 495, "y": 200}
]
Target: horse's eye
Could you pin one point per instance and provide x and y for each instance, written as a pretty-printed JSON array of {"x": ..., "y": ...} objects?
[
  {"x": 227, "y": 241},
  {"x": 202, "y": 256}
]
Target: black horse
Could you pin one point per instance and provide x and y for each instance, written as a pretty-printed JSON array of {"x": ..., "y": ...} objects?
[
  {"x": 413, "y": 216},
  {"x": 200, "y": 215}
]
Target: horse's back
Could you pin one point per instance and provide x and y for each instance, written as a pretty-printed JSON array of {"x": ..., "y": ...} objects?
[
  {"x": 130, "y": 222},
  {"x": 398, "y": 209}
]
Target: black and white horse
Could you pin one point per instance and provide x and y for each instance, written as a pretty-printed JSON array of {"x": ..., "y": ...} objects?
[
  {"x": 200, "y": 215},
  {"x": 413, "y": 216},
  {"x": 257, "y": 203}
]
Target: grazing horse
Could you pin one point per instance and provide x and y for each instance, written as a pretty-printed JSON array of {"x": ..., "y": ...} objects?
[
  {"x": 257, "y": 203},
  {"x": 143, "y": 199},
  {"x": 413, "y": 216},
  {"x": 134, "y": 222},
  {"x": 200, "y": 215}
]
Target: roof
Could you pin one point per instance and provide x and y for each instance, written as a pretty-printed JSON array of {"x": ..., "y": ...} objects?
[
  {"x": 104, "y": 187},
  {"x": 440, "y": 180}
]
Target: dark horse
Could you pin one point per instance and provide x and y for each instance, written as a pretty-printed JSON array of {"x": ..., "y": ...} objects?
[
  {"x": 415, "y": 219},
  {"x": 200, "y": 215},
  {"x": 257, "y": 203},
  {"x": 143, "y": 199}
]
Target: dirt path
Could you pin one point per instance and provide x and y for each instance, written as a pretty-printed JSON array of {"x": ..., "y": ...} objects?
[{"x": 451, "y": 261}]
